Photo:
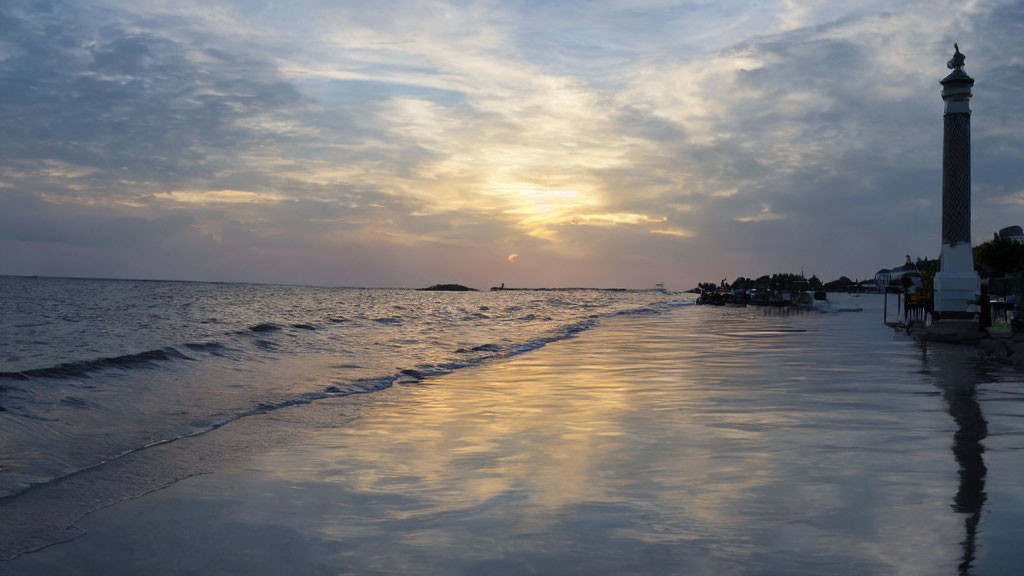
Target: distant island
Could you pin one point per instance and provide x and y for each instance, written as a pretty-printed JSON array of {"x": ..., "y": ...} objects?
[{"x": 450, "y": 288}]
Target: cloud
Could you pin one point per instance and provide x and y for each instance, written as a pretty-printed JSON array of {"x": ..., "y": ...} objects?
[
  {"x": 677, "y": 232},
  {"x": 513, "y": 258},
  {"x": 205, "y": 197},
  {"x": 1015, "y": 197},
  {"x": 605, "y": 138},
  {"x": 765, "y": 215}
]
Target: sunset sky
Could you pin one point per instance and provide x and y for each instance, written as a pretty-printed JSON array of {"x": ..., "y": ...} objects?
[{"x": 392, "y": 143}]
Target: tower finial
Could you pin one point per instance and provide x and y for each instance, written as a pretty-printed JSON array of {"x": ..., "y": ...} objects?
[{"x": 957, "y": 61}]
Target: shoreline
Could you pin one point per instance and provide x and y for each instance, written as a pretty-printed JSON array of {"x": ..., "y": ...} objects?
[{"x": 207, "y": 362}]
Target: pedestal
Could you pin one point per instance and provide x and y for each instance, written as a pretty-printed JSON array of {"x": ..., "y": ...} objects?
[
  {"x": 957, "y": 285},
  {"x": 955, "y": 295}
]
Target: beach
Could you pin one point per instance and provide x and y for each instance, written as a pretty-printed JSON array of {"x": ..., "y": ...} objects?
[
  {"x": 700, "y": 441},
  {"x": 501, "y": 288}
]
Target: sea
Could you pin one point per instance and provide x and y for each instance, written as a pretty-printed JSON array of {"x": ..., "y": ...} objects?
[
  {"x": 93, "y": 370},
  {"x": 538, "y": 431}
]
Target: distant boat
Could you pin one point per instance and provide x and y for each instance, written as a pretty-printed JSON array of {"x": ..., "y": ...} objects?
[
  {"x": 803, "y": 300},
  {"x": 818, "y": 302}
]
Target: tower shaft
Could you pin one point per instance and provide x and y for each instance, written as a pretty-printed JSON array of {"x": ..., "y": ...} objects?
[{"x": 956, "y": 179}]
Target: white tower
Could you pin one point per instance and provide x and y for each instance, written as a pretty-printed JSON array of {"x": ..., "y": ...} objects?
[{"x": 956, "y": 284}]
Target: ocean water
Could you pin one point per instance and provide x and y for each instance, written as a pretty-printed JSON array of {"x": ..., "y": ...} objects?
[
  {"x": 566, "y": 432},
  {"x": 91, "y": 370}
]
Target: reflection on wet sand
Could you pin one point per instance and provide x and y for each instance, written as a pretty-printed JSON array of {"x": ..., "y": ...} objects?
[
  {"x": 743, "y": 446},
  {"x": 956, "y": 375},
  {"x": 710, "y": 441}
]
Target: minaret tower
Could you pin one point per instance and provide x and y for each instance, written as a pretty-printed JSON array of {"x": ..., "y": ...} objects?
[{"x": 957, "y": 284}]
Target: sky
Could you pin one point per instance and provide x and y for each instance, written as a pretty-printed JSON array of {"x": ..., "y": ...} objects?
[{"x": 603, "y": 143}]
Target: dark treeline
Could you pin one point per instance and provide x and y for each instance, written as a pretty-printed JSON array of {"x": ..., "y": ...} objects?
[
  {"x": 997, "y": 258},
  {"x": 775, "y": 282}
]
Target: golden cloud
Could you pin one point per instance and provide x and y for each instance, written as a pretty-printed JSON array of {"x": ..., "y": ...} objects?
[
  {"x": 204, "y": 197},
  {"x": 766, "y": 215},
  {"x": 678, "y": 232}
]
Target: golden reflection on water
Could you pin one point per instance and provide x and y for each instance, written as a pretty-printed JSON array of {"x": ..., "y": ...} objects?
[
  {"x": 643, "y": 433},
  {"x": 553, "y": 434}
]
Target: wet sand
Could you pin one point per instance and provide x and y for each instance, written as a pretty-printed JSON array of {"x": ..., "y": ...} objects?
[{"x": 650, "y": 445}]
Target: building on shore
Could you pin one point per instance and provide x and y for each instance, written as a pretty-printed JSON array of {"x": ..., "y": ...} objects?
[
  {"x": 1014, "y": 233},
  {"x": 890, "y": 276}
]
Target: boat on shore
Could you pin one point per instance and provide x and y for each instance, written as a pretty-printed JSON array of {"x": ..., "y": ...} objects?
[{"x": 812, "y": 301}]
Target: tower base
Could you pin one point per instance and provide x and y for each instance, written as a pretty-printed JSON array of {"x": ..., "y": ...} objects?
[
  {"x": 956, "y": 295},
  {"x": 956, "y": 285}
]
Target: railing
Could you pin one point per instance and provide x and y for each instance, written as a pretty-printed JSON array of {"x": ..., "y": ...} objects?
[{"x": 910, "y": 308}]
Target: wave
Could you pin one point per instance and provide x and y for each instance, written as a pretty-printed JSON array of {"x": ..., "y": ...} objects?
[
  {"x": 637, "y": 312},
  {"x": 389, "y": 320},
  {"x": 83, "y": 368},
  {"x": 361, "y": 386},
  {"x": 306, "y": 398},
  {"x": 480, "y": 348},
  {"x": 149, "y": 358},
  {"x": 266, "y": 345},
  {"x": 74, "y": 401},
  {"x": 209, "y": 347},
  {"x": 265, "y": 327},
  {"x": 655, "y": 308}
]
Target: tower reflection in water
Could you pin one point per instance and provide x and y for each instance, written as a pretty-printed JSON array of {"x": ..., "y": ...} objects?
[{"x": 957, "y": 372}]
